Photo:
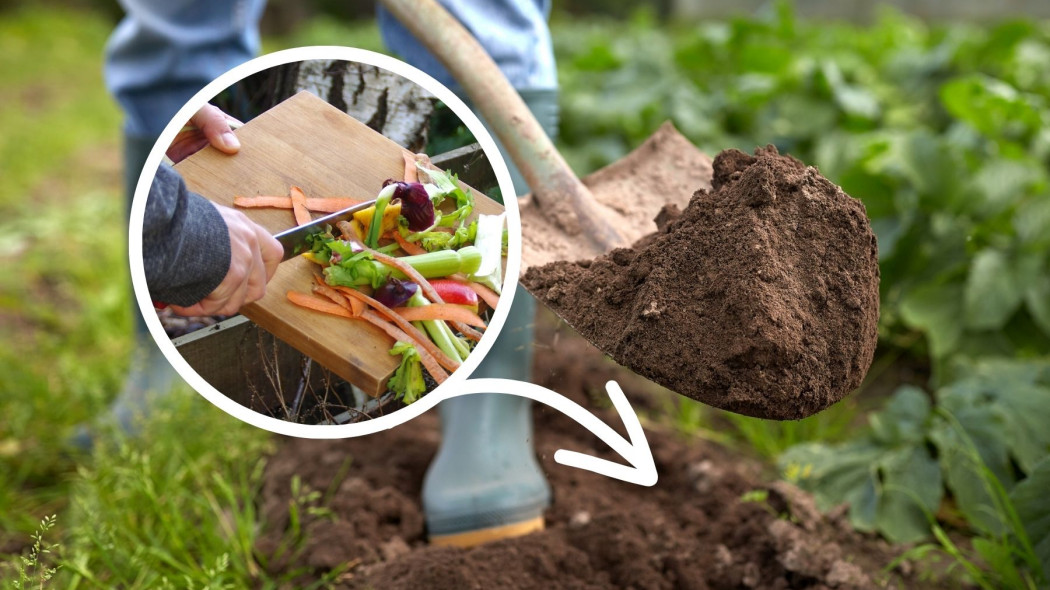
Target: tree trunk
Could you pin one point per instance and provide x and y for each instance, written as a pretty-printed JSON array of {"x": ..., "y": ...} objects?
[{"x": 386, "y": 102}]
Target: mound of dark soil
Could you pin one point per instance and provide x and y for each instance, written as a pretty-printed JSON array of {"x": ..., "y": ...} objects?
[
  {"x": 761, "y": 297},
  {"x": 698, "y": 528}
]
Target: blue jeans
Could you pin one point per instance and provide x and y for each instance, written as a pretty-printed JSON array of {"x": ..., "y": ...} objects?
[{"x": 162, "y": 53}]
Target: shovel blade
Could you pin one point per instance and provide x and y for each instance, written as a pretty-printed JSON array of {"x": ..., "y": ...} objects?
[{"x": 664, "y": 170}]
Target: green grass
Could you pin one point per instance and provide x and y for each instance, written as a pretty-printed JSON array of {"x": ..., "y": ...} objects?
[
  {"x": 174, "y": 508},
  {"x": 64, "y": 295},
  {"x": 766, "y": 439}
]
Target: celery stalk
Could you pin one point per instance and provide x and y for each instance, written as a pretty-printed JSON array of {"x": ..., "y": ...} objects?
[
  {"x": 375, "y": 227},
  {"x": 489, "y": 240},
  {"x": 432, "y": 265},
  {"x": 439, "y": 331}
]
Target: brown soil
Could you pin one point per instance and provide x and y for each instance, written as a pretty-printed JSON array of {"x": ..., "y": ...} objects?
[
  {"x": 693, "y": 530},
  {"x": 666, "y": 169},
  {"x": 761, "y": 297}
]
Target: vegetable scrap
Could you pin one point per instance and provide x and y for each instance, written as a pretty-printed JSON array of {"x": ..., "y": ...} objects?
[
  {"x": 761, "y": 297},
  {"x": 302, "y": 216},
  {"x": 314, "y": 204},
  {"x": 411, "y": 265}
]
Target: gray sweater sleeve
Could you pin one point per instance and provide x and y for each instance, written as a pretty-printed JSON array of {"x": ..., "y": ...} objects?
[{"x": 185, "y": 242}]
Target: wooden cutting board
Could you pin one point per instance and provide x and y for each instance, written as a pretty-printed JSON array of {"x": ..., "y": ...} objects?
[{"x": 307, "y": 142}]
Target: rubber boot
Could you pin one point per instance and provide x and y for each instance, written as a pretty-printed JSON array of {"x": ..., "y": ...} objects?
[
  {"x": 149, "y": 374},
  {"x": 485, "y": 483}
]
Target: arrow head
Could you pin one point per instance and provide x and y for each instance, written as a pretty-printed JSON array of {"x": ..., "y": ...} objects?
[{"x": 641, "y": 468}]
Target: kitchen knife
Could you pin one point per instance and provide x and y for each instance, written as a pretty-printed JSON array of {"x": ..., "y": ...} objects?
[{"x": 294, "y": 240}]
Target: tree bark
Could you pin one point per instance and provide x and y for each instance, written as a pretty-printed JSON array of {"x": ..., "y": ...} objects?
[{"x": 386, "y": 102}]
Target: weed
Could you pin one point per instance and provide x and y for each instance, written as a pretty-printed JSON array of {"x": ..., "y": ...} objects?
[{"x": 36, "y": 569}]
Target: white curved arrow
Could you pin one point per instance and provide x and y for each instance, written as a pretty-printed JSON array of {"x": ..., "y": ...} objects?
[{"x": 641, "y": 468}]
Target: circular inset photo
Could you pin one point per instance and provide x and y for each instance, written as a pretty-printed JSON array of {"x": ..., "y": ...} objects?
[{"x": 325, "y": 243}]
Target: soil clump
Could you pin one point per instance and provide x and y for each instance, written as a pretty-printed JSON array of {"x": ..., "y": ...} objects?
[{"x": 761, "y": 297}]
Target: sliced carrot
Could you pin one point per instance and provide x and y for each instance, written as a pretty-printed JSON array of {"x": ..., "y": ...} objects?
[
  {"x": 302, "y": 216},
  {"x": 419, "y": 338},
  {"x": 330, "y": 204},
  {"x": 354, "y": 306},
  {"x": 428, "y": 360},
  {"x": 487, "y": 295},
  {"x": 409, "y": 248},
  {"x": 315, "y": 204},
  {"x": 322, "y": 305},
  {"x": 441, "y": 311},
  {"x": 263, "y": 201},
  {"x": 410, "y": 167},
  {"x": 318, "y": 304},
  {"x": 428, "y": 289}
]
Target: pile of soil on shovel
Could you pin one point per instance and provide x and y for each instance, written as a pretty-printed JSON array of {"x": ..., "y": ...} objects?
[
  {"x": 704, "y": 525},
  {"x": 761, "y": 297}
]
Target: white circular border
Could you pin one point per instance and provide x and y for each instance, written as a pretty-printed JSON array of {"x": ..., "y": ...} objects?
[{"x": 138, "y": 277}]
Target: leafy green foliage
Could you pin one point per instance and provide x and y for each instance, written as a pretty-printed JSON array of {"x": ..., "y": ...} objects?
[
  {"x": 1014, "y": 553},
  {"x": 989, "y": 426},
  {"x": 889, "y": 478},
  {"x": 1029, "y": 500},
  {"x": 407, "y": 381},
  {"x": 942, "y": 132}
]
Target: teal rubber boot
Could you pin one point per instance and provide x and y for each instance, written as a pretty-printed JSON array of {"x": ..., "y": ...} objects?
[
  {"x": 149, "y": 374},
  {"x": 485, "y": 483}
]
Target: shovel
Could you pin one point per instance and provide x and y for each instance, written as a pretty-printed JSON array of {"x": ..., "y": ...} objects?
[{"x": 564, "y": 218}]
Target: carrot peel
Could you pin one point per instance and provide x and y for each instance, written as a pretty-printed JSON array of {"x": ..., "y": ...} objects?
[{"x": 441, "y": 311}]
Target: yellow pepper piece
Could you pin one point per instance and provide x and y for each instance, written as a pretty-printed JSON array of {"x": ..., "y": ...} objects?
[{"x": 390, "y": 215}]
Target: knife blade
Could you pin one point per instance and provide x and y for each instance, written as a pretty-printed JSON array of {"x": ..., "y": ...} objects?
[{"x": 294, "y": 239}]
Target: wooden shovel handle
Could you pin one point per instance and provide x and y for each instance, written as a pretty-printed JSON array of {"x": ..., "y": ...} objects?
[{"x": 561, "y": 195}]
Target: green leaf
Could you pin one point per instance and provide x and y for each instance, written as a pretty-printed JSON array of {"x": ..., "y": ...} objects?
[
  {"x": 1032, "y": 221},
  {"x": 1037, "y": 300},
  {"x": 961, "y": 467},
  {"x": 1026, "y": 409},
  {"x": 1029, "y": 499},
  {"x": 891, "y": 481},
  {"x": 837, "y": 474},
  {"x": 992, "y": 295},
  {"x": 992, "y": 106},
  {"x": 911, "y": 493},
  {"x": 1002, "y": 182},
  {"x": 935, "y": 309},
  {"x": 973, "y": 405},
  {"x": 904, "y": 417}
]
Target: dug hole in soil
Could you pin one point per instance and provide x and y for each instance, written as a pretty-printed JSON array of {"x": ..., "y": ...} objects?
[{"x": 697, "y": 528}]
